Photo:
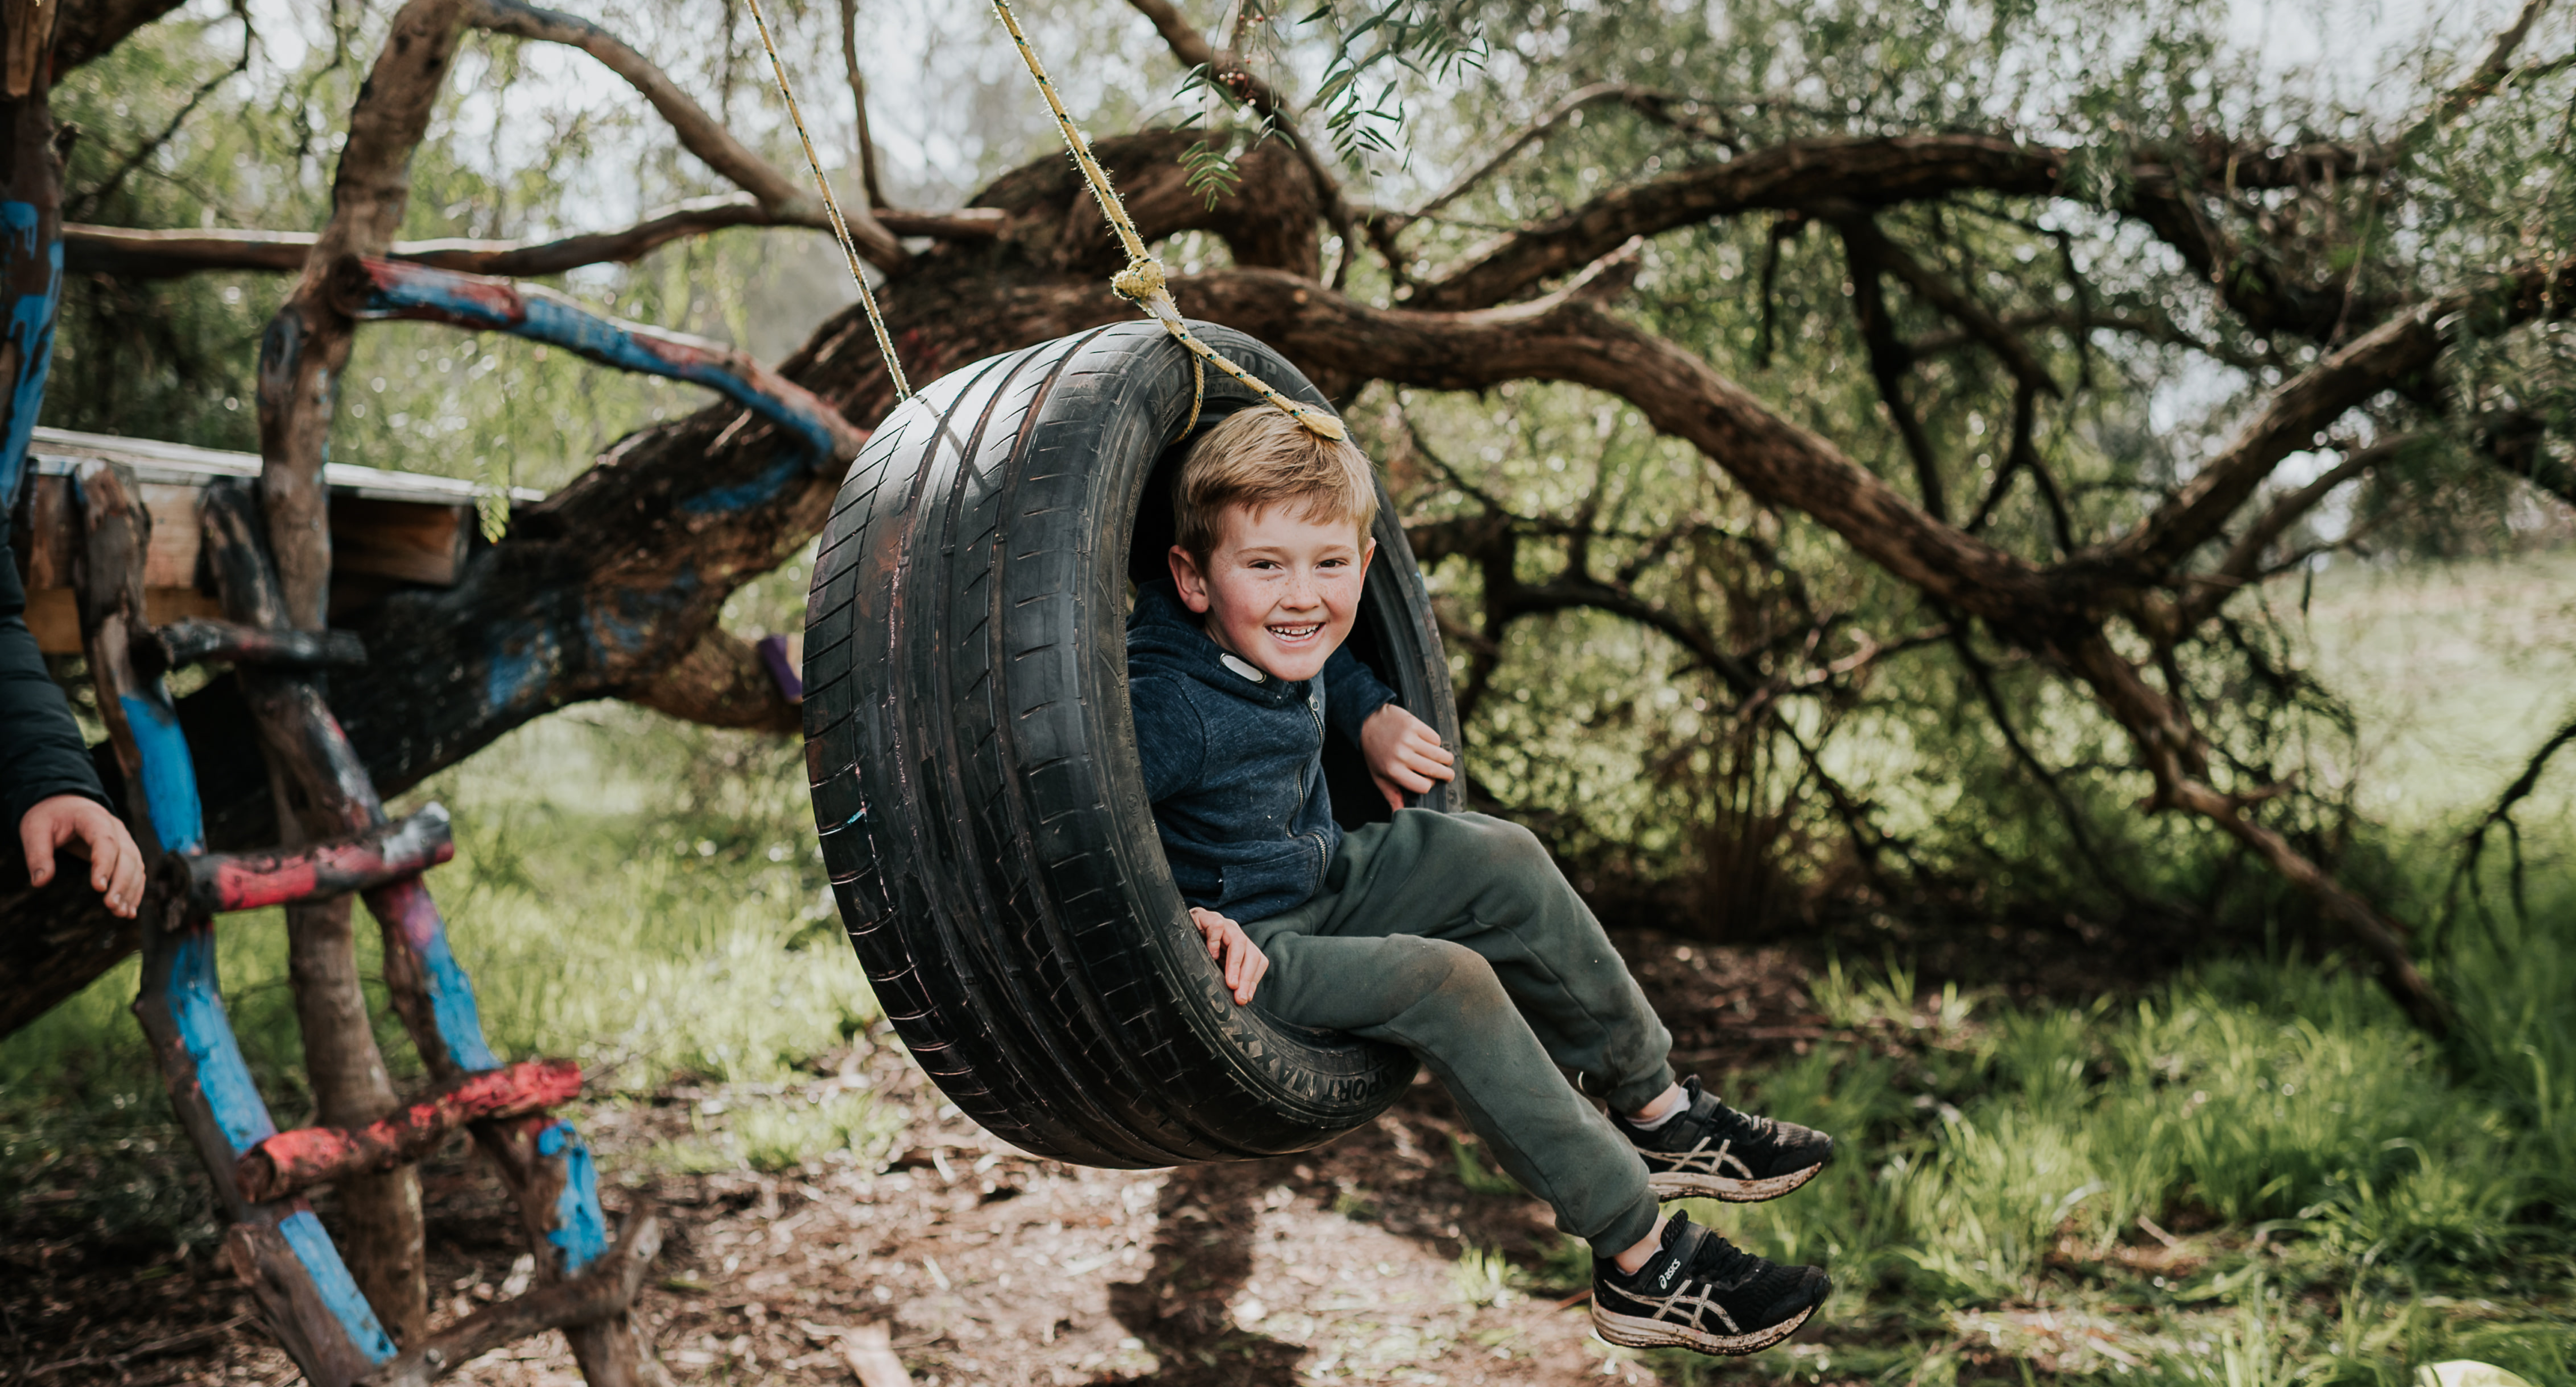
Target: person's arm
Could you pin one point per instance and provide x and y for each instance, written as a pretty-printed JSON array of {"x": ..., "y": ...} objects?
[
  {"x": 1404, "y": 754},
  {"x": 1352, "y": 693},
  {"x": 1171, "y": 741},
  {"x": 49, "y": 794}
]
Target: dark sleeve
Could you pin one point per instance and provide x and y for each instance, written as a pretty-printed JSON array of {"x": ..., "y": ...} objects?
[
  {"x": 1351, "y": 693},
  {"x": 41, "y": 755},
  {"x": 1170, "y": 738}
]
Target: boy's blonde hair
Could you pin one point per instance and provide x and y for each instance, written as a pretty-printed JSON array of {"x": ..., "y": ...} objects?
[{"x": 1260, "y": 457}]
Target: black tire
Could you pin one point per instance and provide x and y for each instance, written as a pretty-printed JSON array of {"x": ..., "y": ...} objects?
[{"x": 974, "y": 767}]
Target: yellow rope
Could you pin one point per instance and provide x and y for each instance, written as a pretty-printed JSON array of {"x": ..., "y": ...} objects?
[
  {"x": 1142, "y": 282},
  {"x": 840, "y": 228}
]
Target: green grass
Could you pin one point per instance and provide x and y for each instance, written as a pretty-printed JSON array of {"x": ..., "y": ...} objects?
[{"x": 2347, "y": 1201}]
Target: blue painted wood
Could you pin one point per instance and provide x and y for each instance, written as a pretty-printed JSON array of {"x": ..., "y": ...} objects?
[
  {"x": 580, "y": 1227},
  {"x": 169, "y": 776},
  {"x": 29, "y": 332},
  {"x": 193, "y": 995},
  {"x": 397, "y": 289}
]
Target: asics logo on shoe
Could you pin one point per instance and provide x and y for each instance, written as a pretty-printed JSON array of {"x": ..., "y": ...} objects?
[{"x": 1711, "y": 1151}]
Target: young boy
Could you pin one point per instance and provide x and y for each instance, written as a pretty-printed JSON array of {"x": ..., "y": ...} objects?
[{"x": 1451, "y": 934}]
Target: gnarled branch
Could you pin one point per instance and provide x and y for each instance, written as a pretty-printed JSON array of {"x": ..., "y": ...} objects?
[
  {"x": 778, "y": 194},
  {"x": 128, "y": 253}
]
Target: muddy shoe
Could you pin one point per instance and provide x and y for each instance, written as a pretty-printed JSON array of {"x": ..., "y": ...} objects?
[
  {"x": 1702, "y": 1292},
  {"x": 1711, "y": 1151}
]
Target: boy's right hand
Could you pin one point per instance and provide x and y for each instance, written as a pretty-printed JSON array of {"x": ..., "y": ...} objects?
[
  {"x": 1243, "y": 961},
  {"x": 1404, "y": 754},
  {"x": 115, "y": 863}
]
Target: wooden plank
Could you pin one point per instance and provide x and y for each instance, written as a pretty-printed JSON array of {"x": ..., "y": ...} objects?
[
  {"x": 54, "y": 616},
  {"x": 53, "y": 533},
  {"x": 398, "y": 539},
  {"x": 379, "y": 535},
  {"x": 53, "y": 451}
]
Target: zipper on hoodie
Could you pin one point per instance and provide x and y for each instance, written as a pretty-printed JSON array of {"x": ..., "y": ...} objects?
[{"x": 1318, "y": 716}]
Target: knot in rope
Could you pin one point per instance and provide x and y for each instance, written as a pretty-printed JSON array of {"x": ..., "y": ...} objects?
[{"x": 1141, "y": 280}]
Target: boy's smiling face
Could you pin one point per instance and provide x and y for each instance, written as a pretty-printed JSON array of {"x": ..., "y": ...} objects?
[{"x": 1282, "y": 587}]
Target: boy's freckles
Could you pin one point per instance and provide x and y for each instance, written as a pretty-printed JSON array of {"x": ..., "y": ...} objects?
[{"x": 1281, "y": 589}]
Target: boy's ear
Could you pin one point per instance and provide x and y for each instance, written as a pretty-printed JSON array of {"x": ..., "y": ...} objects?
[
  {"x": 1187, "y": 577},
  {"x": 1368, "y": 551}
]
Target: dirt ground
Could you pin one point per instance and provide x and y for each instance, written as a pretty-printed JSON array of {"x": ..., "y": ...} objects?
[{"x": 984, "y": 1264}]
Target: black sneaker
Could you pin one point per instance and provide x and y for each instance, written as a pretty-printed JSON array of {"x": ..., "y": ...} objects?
[
  {"x": 1711, "y": 1151},
  {"x": 1702, "y": 1292}
]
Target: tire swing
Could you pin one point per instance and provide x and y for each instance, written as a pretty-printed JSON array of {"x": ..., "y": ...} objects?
[
  {"x": 972, "y": 753},
  {"x": 975, "y": 776}
]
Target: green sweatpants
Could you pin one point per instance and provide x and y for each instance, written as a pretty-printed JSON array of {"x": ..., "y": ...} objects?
[{"x": 1455, "y": 936}]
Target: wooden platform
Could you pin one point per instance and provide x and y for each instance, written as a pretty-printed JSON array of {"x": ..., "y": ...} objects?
[{"x": 387, "y": 528}]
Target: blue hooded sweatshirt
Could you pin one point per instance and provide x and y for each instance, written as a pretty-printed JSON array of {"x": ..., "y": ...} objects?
[{"x": 1234, "y": 760}]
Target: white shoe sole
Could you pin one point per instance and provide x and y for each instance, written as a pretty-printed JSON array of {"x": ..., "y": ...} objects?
[
  {"x": 1681, "y": 1184},
  {"x": 1633, "y": 1331}
]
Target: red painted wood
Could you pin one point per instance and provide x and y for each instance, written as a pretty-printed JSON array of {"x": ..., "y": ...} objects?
[
  {"x": 290, "y": 1162},
  {"x": 225, "y": 882}
]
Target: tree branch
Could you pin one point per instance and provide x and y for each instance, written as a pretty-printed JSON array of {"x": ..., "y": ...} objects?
[
  {"x": 2172, "y": 752},
  {"x": 1654, "y": 105},
  {"x": 1791, "y": 176},
  {"x": 859, "y": 102},
  {"x": 2473, "y": 843},
  {"x": 1889, "y": 364},
  {"x": 2152, "y": 327},
  {"x": 85, "y": 29},
  {"x": 1952, "y": 302},
  {"x": 2290, "y": 420},
  {"x": 1191, "y": 48},
  {"x": 2023, "y": 456},
  {"x": 2243, "y": 565},
  {"x": 1984, "y": 680},
  {"x": 1862, "y": 171},
  {"x": 779, "y": 195},
  {"x": 135, "y": 254},
  {"x": 720, "y": 683},
  {"x": 81, "y": 205},
  {"x": 307, "y": 343},
  {"x": 605, "y": 1289},
  {"x": 2489, "y": 75},
  {"x": 368, "y": 288}
]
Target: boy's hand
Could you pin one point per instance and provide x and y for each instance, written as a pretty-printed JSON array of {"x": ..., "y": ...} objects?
[
  {"x": 1243, "y": 960},
  {"x": 1403, "y": 753},
  {"x": 115, "y": 863}
]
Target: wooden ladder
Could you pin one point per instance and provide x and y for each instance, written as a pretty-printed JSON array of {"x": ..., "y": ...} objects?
[{"x": 585, "y": 1282}]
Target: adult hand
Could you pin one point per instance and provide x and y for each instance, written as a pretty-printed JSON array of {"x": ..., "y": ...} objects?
[
  {"x": 1243, "y": 960},
  {"x": 115, "y": 864},
  {"x": 1404, "y": 755}
]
